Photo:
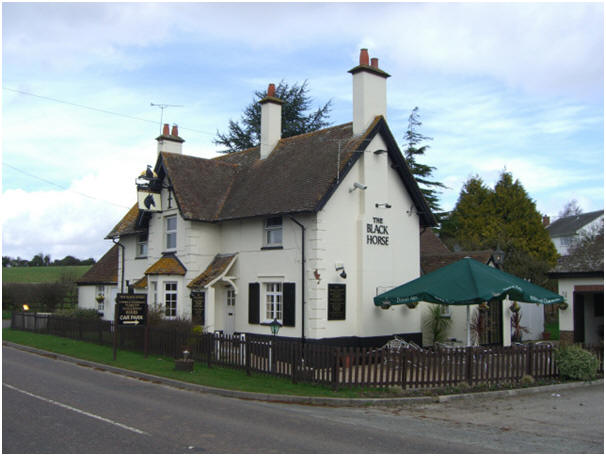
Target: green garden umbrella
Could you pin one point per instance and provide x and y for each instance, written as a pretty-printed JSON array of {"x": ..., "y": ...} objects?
[{"x": 466, "y": 282}]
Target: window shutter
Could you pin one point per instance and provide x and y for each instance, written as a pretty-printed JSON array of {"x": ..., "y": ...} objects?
[
  {"x": 253, "y": 303},
  {"x": 289, "y": 304}
]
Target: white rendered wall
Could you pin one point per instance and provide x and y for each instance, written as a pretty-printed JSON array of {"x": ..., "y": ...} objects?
[
  {"x": 342, "y": 237},
  {"x": 369, "y": 99},
  {"x": 566, "y": 289}
]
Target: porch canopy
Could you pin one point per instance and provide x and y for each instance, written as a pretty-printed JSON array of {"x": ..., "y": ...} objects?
[{"x": 466, "y": 282}]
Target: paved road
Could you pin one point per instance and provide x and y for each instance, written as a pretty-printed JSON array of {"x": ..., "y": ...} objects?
[{"x": 53, "y": 406}]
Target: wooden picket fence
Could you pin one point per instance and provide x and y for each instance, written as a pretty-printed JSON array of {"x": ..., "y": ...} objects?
[{"x": 337, "y": 367}]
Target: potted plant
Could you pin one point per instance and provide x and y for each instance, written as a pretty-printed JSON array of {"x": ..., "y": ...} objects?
[
  {"x": 100, "y": 298},
  {"x": 563, "y": 305},
  {"x": 516, "y": 327},
  {"x": 412, "y": 305}
]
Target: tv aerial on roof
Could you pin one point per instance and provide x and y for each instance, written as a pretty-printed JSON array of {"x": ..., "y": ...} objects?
[{"x": 162, "y": 107}]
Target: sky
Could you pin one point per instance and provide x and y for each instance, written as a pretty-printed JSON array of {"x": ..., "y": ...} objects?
[{"x": 516, "y": 87}]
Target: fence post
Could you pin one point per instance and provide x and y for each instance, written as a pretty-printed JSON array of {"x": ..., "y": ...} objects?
[
  {"x": 404, "y": 368},
  {"x": 247, "y": 355},
  {"x": 529, "y": 349},
  {"x": 469, "y": 368},
  {"x": 209, "y": 350},
  {"x": 335, "y": 368},
  {"x": 294, "y": 352}
]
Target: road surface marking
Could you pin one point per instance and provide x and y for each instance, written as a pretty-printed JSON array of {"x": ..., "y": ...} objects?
[{"x": 73, "y": 409}]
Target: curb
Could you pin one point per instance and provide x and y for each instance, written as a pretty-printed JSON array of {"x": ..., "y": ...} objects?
[{"x": 303, "y": 400}]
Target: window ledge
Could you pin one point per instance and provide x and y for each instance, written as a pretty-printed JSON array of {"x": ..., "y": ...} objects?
[
  {"x": 141, "y": 257},
  {"x": 272, "y": 247}
]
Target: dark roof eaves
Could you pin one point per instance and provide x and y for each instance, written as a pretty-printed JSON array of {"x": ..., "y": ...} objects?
[{"x": 574, "y": 274}]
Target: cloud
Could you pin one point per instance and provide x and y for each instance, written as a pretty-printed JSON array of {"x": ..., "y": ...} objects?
[{"x": 544, "y": 48}]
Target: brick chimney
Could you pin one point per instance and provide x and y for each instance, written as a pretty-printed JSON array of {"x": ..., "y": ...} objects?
[
  {"x": 369, "y": 92},
  {"x": 169, "y": 140},
  {"x": 271, "y": 121},
  {"x": 546, "y": 220}
]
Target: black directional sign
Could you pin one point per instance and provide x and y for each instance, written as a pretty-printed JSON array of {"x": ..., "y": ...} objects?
[{"x": 132, "y": 309}]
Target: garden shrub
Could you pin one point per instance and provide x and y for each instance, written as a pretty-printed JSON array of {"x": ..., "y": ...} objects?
[
  {"x": 574, "y": 363},
  {"x": 85, "y": 314},
  {"x": 527, "y": 380}
]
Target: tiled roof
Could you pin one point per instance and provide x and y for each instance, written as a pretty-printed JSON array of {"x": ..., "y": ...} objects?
[
  {"x": 141, "y": 283},
  {"x": 435, "y": 254},
  {"x": 127, "y": 225},
  {"x": 299, "y": 175},
  {"x": 430, "y": 263},
  {"x": 587, "y": 258},
  {"x": 167, "y": 265},
  {"x": 431, "y": 244},
  {"x": 568, "y": 226},
  {"x": 104, "y": 271},
  {"x": 215, "y": 269}
]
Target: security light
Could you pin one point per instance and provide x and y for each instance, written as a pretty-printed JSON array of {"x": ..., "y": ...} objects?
[
  {"x": 343, "y": 274},
  {"x": 385, "y": 205},
  {"x": 358, "y": 186}
]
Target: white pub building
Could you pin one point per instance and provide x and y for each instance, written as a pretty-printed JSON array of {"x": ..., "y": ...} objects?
[{"x": 305, "y": 230}]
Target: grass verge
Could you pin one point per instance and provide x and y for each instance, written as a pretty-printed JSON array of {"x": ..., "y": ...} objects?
[{"x": 215, "y": 376}]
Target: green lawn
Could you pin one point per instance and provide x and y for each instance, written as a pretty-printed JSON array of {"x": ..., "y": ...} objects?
[
  {"x": 215, "y": 376},
  {"x": 42, "y": 274}
]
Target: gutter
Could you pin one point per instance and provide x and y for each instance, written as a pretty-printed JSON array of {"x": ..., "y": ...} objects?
[
  {"x": 302, "y": 277},
  {"x": 115, "y": 241}
]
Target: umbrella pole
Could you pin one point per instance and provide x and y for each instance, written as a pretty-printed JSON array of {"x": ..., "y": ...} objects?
[{"x": 468, "y": 331}]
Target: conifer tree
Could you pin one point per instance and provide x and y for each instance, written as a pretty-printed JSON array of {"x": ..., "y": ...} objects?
[
  {"x": 504, "y": 217},
  {"x": 421, "y": 172},
  {"x": 296, "y": 119}
]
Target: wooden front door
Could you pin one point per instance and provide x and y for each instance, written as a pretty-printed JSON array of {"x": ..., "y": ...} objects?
[{"x": 493, "y": 327}]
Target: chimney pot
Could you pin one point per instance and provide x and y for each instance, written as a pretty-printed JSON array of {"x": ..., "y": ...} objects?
[
  {"x": 363, "y": 56},
  {"x": 165, "y": 130},
  {"x": 271, "y": 90},
  {"x": 374, "y": 62},
  {"x": 175, "y": 131}
]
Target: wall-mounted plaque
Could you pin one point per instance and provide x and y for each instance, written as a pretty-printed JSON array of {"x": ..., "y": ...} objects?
[{"x": 336, "y": 301}]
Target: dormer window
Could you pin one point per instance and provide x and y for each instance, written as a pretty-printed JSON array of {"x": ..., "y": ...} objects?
[
  {"x": 171, "y": 232},
  {"x": 273, "y": 232},
  {"x": 142, "y": 245}
]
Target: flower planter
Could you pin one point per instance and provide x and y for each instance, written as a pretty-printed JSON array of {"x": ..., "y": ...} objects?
[{"x": 186, "y": 365}]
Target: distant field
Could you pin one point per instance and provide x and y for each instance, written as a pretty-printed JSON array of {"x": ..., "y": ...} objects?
[{"x": 41, "y": 274}]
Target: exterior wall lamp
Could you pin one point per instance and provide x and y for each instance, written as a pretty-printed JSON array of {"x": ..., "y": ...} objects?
[
  {"x": 358, "y": 186},
  {"x": 343, "y": 274},
  {"x": 385, "y": 205},
  {"x": 499, "y": 257}
]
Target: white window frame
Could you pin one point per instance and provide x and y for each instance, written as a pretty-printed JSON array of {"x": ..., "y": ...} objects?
[
  {"x": 273, "y": 233},
  {"x": 142, "y": 245},
  {"x": 154, "y": 293},
  {"x": 231, "y": 296},
  {"x": 274, "y": 301},
  {"x": 170, "y": 299},
  {"x": 171, "y": 233}
]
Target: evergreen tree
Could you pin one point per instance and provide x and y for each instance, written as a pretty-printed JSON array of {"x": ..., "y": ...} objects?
[
  {"x": 421, "y": 172},
  {"x": 295, "y": 118},
  {"x": 504, "y": 217},
  {"x": 471, "y": 223}
]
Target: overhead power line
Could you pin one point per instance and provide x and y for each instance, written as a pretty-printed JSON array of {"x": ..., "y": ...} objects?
[
  {"x": 104, "y": 111},
  {"x": 61, "y": 186}
]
